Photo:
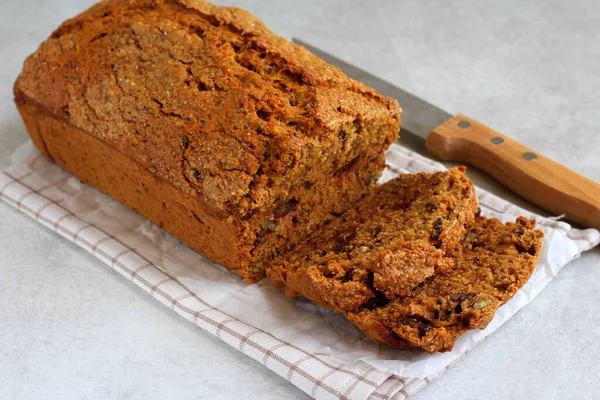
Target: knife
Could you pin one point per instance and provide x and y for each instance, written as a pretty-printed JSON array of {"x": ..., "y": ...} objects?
[{"x": 543, "y": 182}]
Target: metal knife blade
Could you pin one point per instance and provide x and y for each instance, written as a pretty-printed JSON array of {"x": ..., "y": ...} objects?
[{"x": 418, "y": 116}]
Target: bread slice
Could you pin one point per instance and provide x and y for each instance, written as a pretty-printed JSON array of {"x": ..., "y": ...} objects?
[
  {"x": 491, "y": 263},
  {"x": 390, "y": 242}
]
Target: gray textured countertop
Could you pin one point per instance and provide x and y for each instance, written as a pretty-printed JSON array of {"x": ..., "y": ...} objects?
[{"x": 526, "y": 68}]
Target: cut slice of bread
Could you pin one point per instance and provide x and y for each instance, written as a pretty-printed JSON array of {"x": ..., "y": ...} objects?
[
  {"x": 491, "y": 263},
  {"x": 383, "y": 247}
]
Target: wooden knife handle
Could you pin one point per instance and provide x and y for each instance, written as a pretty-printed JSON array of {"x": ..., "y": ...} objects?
[{"x": 543, "y": 182}]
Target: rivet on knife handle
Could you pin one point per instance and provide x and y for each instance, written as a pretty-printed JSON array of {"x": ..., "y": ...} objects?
[{"x": 546, "y": 183}]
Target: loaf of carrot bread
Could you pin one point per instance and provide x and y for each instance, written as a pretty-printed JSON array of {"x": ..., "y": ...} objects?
[
  {"x": 264, "y": 158},
  {"x": 205, "y": 122}
]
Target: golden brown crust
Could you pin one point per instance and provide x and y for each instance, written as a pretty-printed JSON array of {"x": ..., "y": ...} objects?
[
  {"x": 266, "y": 135},
  {"x": 208, "y": 80}
]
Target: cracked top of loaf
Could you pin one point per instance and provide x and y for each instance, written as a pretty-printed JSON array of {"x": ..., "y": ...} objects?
[{"x": 204, "y": 97}]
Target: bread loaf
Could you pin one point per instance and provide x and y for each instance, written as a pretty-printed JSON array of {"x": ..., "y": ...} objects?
[{"x": 202, "y": 120}]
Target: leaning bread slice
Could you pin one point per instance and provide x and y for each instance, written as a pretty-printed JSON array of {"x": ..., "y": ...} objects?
[
  {"x": 491, "y": 263},
  {"x": 384, "y": 246}
]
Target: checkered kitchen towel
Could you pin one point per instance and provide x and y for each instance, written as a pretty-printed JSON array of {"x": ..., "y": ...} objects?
[{"x": 185, "y": 281}]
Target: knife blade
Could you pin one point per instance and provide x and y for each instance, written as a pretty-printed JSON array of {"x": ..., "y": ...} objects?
[{"x": 545, "y": 183}]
